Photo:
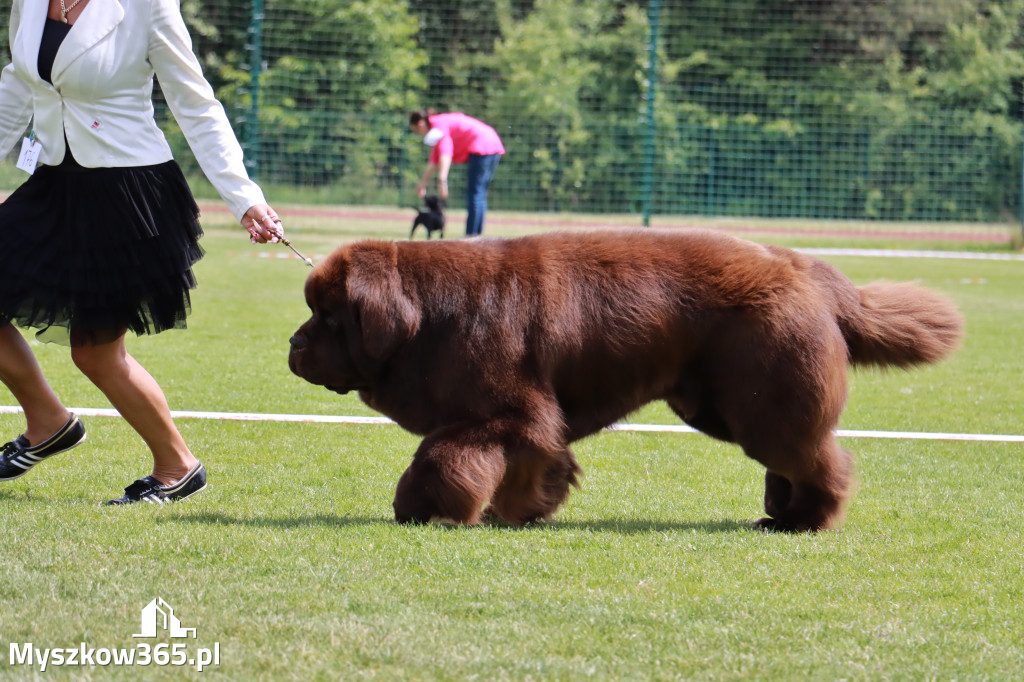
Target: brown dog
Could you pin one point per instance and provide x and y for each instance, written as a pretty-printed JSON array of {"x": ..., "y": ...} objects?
[{"x": 502, "y": 352}]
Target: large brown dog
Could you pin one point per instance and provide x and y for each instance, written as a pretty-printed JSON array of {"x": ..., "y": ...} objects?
[{"x": 502, "y": 352}]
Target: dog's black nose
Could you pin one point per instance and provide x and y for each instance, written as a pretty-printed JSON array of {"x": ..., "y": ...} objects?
[{"x": 297, "y": 342}]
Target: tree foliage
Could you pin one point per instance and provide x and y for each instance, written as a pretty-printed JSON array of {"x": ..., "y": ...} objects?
[{"x": 848, "y": 108}]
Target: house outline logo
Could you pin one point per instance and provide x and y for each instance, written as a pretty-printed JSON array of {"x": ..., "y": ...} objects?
[{"x": 151, "y": 619}]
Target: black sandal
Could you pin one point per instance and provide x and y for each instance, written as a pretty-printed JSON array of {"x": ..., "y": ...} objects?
[
  {"x": 151, "y": 490},
  {"x": 18, "y": 457}
]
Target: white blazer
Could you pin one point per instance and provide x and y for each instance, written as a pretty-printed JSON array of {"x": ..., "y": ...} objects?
[{"x": 101, "y": 97}]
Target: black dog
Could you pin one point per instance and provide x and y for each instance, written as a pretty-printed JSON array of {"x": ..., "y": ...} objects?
[{"x": 432, "y": 218}]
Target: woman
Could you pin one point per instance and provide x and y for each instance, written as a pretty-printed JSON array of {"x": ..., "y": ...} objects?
[
  {"x": 102, "y": 236},
  {"x": 457, "y": 138}
]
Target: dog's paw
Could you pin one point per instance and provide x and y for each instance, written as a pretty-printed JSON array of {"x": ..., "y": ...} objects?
[
  {"x": 770, "y": 525},
  {"x": 767, "y": 524},
  {"x": 411, "y": 512},
  {"x": 407, "y": 520}
]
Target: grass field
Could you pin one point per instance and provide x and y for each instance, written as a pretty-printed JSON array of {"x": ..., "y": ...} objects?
[{"x": 291, "y": 566}]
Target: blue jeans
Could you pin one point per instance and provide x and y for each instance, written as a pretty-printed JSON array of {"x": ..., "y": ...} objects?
[{"x": 480, "y": 170}]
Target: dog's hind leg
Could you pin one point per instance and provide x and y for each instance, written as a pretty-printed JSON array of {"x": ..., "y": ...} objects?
[
  {"x": 781, "y": 407},
  {"x": 811, "y": 496},
  {"x": 452, "y": 476},
  {"x": 810, "y": 499},
  {"x": 777, "y": 493},
  {"x": 535, "y": 486}
]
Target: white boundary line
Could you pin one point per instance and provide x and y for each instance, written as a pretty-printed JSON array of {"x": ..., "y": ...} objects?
[
  {"x": 655, "y": 428},
  {"x": 898, "y": 253}
]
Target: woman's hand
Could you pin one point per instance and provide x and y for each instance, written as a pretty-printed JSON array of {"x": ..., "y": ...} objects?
[
  {"x": 421, "y": 188},
  {"x": 263, "y": 224}
]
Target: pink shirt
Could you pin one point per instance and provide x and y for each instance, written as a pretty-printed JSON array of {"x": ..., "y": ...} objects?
[{"x": 463, "y": 135}]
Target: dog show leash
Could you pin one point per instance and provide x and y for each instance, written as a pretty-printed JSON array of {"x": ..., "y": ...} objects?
[
  {"x": 307, "y": 261},
  {"x": 279, "y": 234}
]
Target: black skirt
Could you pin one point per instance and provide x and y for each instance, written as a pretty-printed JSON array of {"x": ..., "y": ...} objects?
[{"x": 90, "y": 253}]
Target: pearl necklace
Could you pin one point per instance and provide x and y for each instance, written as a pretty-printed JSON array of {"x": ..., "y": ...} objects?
[{"x": 64, "y": 10}]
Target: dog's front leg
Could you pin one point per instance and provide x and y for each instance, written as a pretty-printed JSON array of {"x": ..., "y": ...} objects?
[{"x": 453, "y": 474}]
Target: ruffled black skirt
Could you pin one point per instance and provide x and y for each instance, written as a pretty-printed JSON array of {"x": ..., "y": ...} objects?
[{"x": 90, "y": 253}]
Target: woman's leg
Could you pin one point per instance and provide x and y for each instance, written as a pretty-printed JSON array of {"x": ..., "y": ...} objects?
[
  {"x": 479, "y": 171},
  {"x": 45, "y": 415},
  {"x": 140, "y": 400}
]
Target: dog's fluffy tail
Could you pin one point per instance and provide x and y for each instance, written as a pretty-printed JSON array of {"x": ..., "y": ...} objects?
[{"x": 889, "y": 324}]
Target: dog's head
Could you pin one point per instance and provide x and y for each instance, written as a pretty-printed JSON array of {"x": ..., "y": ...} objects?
[
  {"x": 360, "y": 318},
  {"x": 434, "y": 203}
]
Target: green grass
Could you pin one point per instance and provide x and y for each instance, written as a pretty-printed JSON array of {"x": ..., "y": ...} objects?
[{"x": 291, "y": 562}]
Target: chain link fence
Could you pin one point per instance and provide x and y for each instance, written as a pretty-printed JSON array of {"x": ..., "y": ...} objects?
[{"x": 893, "y": 110}]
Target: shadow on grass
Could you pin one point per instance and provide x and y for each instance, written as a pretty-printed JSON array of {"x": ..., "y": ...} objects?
[
  {"x": 620, "y": 526},
  {"x": 633, "y": 526},
  {"x": 330, "y": 520}
]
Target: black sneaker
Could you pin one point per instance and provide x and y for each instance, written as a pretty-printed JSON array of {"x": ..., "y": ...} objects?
[
  {"x": 17, "y": 457},
  {"x": 150, "y": 490}
]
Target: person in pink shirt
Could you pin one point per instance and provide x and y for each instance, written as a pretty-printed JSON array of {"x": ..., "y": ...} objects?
[{"x": 457, "y": 138}]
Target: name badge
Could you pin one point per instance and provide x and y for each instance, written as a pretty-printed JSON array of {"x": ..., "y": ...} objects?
[{"x": 29, "y": 156}]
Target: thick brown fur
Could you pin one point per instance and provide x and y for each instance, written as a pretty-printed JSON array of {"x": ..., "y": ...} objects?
[{"x": 503, "y": 352}]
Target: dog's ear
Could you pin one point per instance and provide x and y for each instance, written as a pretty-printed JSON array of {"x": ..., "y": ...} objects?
[{"x": 387, "y": 316}]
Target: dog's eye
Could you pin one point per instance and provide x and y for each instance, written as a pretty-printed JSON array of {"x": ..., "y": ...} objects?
[{"x": 330, "y": 322}]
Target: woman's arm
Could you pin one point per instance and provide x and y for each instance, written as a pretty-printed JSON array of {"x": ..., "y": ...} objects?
[
  {"x": 442, "y": 175},
  {"x": 421, "y": 188},
  {"x": 197, "y": 110},
  {"x": 15, "y": 97}
]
